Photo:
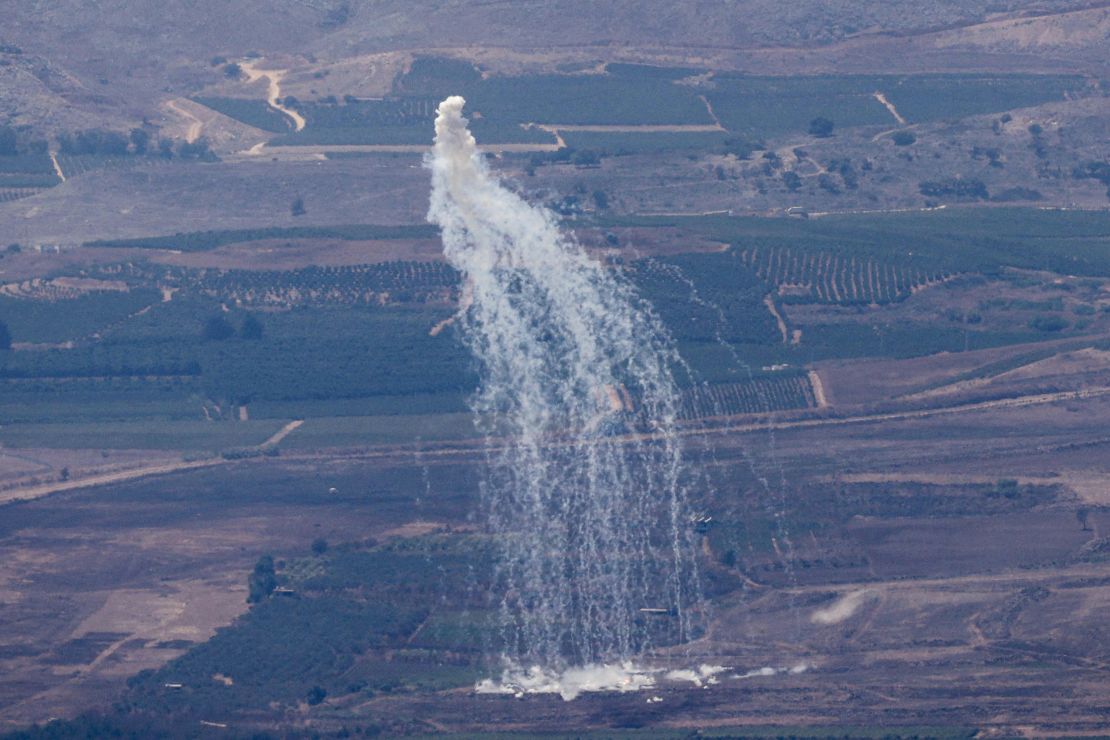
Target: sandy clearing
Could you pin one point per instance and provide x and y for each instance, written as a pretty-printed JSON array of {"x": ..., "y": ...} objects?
[
  {"x": 818, "y": 389},
  {"x": 843, "y": 608},
  {"x": 189, "y": 610}
]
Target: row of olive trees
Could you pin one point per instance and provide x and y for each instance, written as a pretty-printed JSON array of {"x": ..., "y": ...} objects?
[{"x": 139, "y": 141}]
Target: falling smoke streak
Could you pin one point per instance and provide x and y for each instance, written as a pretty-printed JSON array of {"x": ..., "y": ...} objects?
[
  {"x": 590, "y": 528},
  {"x": 769, "y": 455}
]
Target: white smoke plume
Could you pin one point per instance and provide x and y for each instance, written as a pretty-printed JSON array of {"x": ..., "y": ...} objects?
[{"x": 585, "y": 495}]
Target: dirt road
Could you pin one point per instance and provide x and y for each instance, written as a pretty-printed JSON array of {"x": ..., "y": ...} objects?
[
  {"x": 281, "y": 434},
  {"x": 274, "y": 76},
  {"x": 195, "y": 124},
  {"x": 890, "y": 107},
  {"x": 57, "y": 167},
  {"x": 45, "y": 489}
]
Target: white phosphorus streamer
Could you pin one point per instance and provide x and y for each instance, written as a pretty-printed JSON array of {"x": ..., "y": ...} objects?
[{"x": 585, "y": 485}]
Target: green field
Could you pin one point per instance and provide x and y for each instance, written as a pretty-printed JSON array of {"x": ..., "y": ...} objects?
[
  {"x": 257, "y": 113},
  {"x": 359, "y": 431},
  {"x": 200, "y": 241},
  {"x": 71, "y": 318},
  {"x": 952, "y": 239},
  {"x": 140, "y": 435},
  {"x": 26, "y": 164},
  {"x": 621, "y": 143}
]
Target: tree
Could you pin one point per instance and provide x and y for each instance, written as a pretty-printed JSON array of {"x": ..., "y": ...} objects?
[
  {"x": 262, "y": 581},
  {"x": 297, "y": 208},
  {"x": 5, "y": 336},
  {"x": 233, "y": 71},
  {"x": 316, "y": 695},
  {"x": 792, "y": 181},
  {"x": 165, "y": 149},
  {"x": 1048, "y": 323},
  {"x": 319, "y": 546},
  {"x": 218, "y": 329},
  {"x": 821, "y": 127},
  {"x": 1081, "y": 515},
  {"x": 251, "y": 328},
  {"x": 601, "y": 200},
  {"x": 903, "y": 138},
  {"x": 8, "y": 143},
  {"x": 194, "y": 149}
]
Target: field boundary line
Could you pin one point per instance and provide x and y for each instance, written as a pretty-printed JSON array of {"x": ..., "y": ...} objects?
[{"x": 18, "y": 495}]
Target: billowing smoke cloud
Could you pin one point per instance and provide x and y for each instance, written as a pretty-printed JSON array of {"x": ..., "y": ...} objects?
[{"x": 585, "y": 494}]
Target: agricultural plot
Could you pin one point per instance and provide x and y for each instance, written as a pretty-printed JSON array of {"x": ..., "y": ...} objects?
[
  {"x": 359, "y": 431},
  {"x": 200, "y": 241},
  {"x": 257, "y": 113},
  {"x": 501, "y": 107},
  {"x": 951, "y": 240},
  {"x": 389, "y": 282},
  {"x": 774, "y": 106},
  {"x": 76, "y": 164},
  {"x": 707, "y": 298},
  {"x": 26, "y": 164},
  {"x": 95, "y": 400},
  {"x": 152, "y": 434},
  {"x": 760, "y": 395},
  {"x": 831, "y": 277},
  {"x": 393, "y": 121},
  {"x": 10, "y": 194},
  {"x": 346, "y": 624},
  {"x": 24, "y": 180},
  {"x": 53, "y": 313},
  {"x": 766, "y": 107},
  {"x": 626, "y": 142},
  {"x": 923, "y": 98}
]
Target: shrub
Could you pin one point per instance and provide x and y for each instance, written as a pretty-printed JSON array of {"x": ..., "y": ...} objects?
[
  {"x": 821, "y": 127},
  {"x": 1048, "y": 323},
  {"x": 262, "y": 581},
  {"x": 218, "y": 328},
  {"x": 903, "y": 138}
]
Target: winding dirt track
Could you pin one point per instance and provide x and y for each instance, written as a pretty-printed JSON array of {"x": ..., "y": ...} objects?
[
  {"x": 274, "y": 76},
  {"x": 196, "y": 126}
]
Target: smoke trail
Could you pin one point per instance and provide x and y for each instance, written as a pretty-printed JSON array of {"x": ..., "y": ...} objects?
[{"x": 585, "y": 494}]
